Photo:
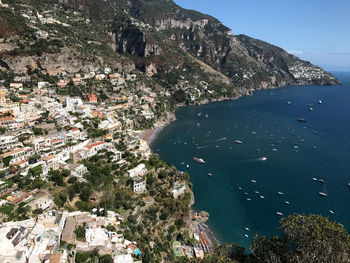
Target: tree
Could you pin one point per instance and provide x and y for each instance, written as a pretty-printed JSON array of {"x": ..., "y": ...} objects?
[
  {"x": 106, "y": 259},
  {"x": 304, "y": 238},
  {"x": 179, "y": 96}
]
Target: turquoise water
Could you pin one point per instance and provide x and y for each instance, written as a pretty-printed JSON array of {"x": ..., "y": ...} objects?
[{"x": 296, "y": 152}]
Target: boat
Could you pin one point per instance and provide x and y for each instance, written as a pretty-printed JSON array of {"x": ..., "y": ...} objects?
[
  {"x": 288, "y": 102},
  {"x": 331, "y": 211},
  {"x": 238, "y": 142},
  {"x": 240, "y": 188},
  {"x": 198, "y": 160},
  {"x": 257, "y": 192},
  {"x": 321, "y": 181},
  {"x": 247, "y": 228},
  {"x": 253, "y": 181},
  {"x": 209, "y": 174},
  {"x": 199, "y": 114},
  {"x": 187, "y": 166},
  {"x": 262, "y": 197},
  {"x": 263, "y": 158},
  {"x": 315, "y": 179},
  {"x": 348, "y": 184},
  {"x": 311, "y": 109},
  {"x": 279, "y": 213},
  {"x": 319, "y": 101},
  {"x": 280, "y": 193},
  {"x": 248, "y": 199},
  {"x": 322, "y": 194},
  {"x": 253, "y": 132},
  {"x": 246, "y": 235},
  {"x": 286, "y": 202},
  {"x": 315, "y": 132},
  {"x": 302, "y": 120},
  {"x": 206, "y": 115}
]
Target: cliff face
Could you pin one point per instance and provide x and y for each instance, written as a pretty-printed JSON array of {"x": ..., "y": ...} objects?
[{"x": 177, "y": 47}]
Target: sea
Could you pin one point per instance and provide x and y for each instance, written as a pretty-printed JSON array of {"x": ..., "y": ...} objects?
[{"x": 302, "y": 159}]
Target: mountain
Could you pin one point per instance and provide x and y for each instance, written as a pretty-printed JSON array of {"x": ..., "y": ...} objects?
[{"x": 174, "y": 47}]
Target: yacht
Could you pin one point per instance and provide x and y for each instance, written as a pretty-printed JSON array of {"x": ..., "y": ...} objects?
[
  {"x": 198, "y": 160},
  {"x": 322, "y": 194}
]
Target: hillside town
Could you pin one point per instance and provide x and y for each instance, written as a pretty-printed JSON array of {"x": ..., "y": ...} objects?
[{"x": 51, "y": 145}]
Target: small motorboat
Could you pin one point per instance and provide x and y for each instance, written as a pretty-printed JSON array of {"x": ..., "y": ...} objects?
[
  {"x": 198, "y": 160},
  {"x": 253, "y": 181},
  {"x": 209, "y": 174},
  {"x": 286, "y": 202},
  {"x": 289, "y": 103},
  {"x": 322, "y": 194},
  {"x": 302, "y": 120},
  {"x": 246, "y": 235},
  {"x": 238, "y": 142},
  {"x": 321, "y": 181},
  {"x": 331, "y": 211},
  {"x": 280, "y": 193},
  {"x": 248, "y": 199},
  {"x": 262, "y": 197},
  {"x": 247, "y": 228},
  {"x": 263, "y": 158},
  {"x": 279, "y": 213},
  {"x": 315, "y": 179},
  {"x": 319, "y": 101}
]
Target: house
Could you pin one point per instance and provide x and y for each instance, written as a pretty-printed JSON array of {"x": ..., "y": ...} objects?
[
  {"x": 92, "y": 98},
  {"x": 72, "y": 104},
  {"x": 144, "y": 151},
  {"x": 44, "y": 202},
  {"x": 51, "y": 162},
  {"x": 92, "y": 149},
  {"x": 138, "y": 171},
  {"x": 18, "y": 155},
  {"x": 77, "y": 170},
  {"x": 16, "y": 85},
  {"x": 139, "y": 185},
  {"x": 7, "y": 142},
  {"x": 179, "y": 189},
  {"x": 2, "y": 97}
]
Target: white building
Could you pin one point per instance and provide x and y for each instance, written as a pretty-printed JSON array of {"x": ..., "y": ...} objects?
[
  {"x": 72, "y": 104},
  {"x": 139, "y": 185},
  {"x": 7, "y": 142},
  {"x": 139, "y": 170}
]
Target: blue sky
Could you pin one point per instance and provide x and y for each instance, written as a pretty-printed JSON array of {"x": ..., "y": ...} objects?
[{"x": 315, "y": 30}]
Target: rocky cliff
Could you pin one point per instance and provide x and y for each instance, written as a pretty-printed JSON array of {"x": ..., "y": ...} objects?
[{"x": 178, "y": 48}]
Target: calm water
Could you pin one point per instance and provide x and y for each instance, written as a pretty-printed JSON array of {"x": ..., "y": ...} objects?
[{"x": 296, "y": 152}]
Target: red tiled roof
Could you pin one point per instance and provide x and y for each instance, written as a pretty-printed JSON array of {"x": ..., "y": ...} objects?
[{"x": 93, "y": 145}]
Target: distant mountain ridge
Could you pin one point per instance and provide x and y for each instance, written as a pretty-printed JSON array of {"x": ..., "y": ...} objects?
[{"x": 175, "y": 47}]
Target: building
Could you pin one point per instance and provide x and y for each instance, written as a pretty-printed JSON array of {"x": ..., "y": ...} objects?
[
  {"x": 44, "y": 202},
  {"x": 7, "y": 142},
  {"x": 72, "y": 104},
  {"x": 138, "y": 171},
  {"x": 94, "y": 148},
  {"x": 2, "y": 97},
  {"x": 139, "y": 185},
  {"x": 77, "y": 170},
  {"x": 179, "y": 190},
  {"x": 18, "y": 155},
  {"x": 92, "y": 98}
]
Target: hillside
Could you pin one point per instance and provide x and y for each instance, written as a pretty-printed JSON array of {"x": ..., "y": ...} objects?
[{"x": 175, "y": 48}]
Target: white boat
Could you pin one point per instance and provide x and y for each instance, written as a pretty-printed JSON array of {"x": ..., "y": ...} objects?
[
  {"x": 253, "y": 132},
  {"x": 262, "y": 197},
  {"x": 240, "y": 188},
  {"x": 253, "y": 181},
  {"x": 322, "y": 194},
  {"x": 286, "y": 202},
  {"x": 246, "y": 235},
  {"x": 257, "y": 192},
  {"x": 198, "y": 160},
  {"x": 263, "y": 158},
  {"x": 349, "y": 184},
  {"x": 321, "y": 181},
  {"x": 315, "y": 179},
  {"x": 199, "y": 114},
  {"x": 288, "y": 102},
  {"x": 280, "y": 193},
  {"x": 206, "y": 115},
  {"x": 331, "y": 211},
  {"x": 187, "y": 166},
  {"x": 238, "y": 142},
  {"x": 248, "y": 199},
  {"x": 247, "y": 228},
  {"x": 311, "y": 109},
  {"x": 319, "y": 101},
  {"x": 279, "y": 213}
]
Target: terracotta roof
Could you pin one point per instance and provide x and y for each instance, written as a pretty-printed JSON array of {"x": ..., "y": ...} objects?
[
  {"x": 75, "y": 129},
  {"x": 49, "y": 157},
  {"x": 55, "y": 140},
  {"x": 56, "y": 258},
  {"x": 12, "y": 152},
  {"x": 93, "y": 145}
]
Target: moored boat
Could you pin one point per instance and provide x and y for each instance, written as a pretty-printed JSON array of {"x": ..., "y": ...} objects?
[
  {"x": 238, "y": 142},
  {"x": 198, "y": 160}
]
